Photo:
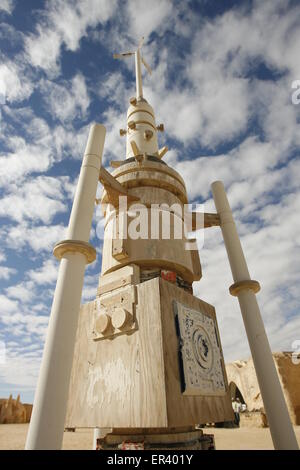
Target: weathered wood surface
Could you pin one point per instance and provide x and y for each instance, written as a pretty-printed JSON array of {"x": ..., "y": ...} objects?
[
  {"x": 120, "y": 382},
  {"x": 149, "y": 165},
  {"x": 133, "y": 380},
  {"x": 122, "y": 277},
  {"x": 182, "y": 409},
  {"x": 168, "y": 253},
  {"x": 153, "y": 178}
]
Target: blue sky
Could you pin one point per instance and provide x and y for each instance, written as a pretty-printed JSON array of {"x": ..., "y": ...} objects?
[{"x": 221, "y": 84}]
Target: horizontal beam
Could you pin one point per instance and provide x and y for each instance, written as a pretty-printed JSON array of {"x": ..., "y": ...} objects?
[{"x": 209, "y": 220}]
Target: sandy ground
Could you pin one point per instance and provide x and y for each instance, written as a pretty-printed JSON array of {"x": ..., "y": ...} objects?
[{"x": 12, "y": 436}]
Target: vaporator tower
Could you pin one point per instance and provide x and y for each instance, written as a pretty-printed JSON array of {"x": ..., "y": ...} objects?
[{"x": 148, "y": 363}]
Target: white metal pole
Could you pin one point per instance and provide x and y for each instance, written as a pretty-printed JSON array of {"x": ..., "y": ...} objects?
[
  {"x": 244, "y": 288},
  {"x": 138, "y": 72},
  {"x": 50, "y": 402}
]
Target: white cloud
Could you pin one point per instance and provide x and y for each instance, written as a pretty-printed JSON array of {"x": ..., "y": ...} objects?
[
  {"x": 6, "y": 272},
  {"x": 23, "y": 159},
  {"x": 206, "y": 95},
  {"x": 7, "y": 306},
  {"x": 145, "y": 17},
  {"x": 39, "y": 199},
  {"x": 23, "y": 292},
  {"x": 68, "y": 142},
  {"x": 90, "y": 287},
  {"x": 21, "y": 369},
  {"x": 115, "y": 146},
  {"x": 7, "y": 6},
  {"x": 47, "y": 274},
  {"x": 115, "y": 90},
  {"x": 14, "y": 85},
  {"x": 43, "y": 49},
  {"x": 66, "y": 101},
  {"x": 39, "y": 238},
  {"x": 64, "y": 22}
]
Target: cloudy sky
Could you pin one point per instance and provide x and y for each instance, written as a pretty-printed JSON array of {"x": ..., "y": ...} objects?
[{"x": 222, "y": 85}]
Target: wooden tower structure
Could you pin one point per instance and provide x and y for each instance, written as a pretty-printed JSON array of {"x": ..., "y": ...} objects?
[{"x": 148, "y": 360}]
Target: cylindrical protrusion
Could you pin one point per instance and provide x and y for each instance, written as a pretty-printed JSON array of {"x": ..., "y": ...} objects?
[
  {"x": 281, "y": 428},
  {"x": 50, "y": 402},
  {"x": 148, "y": 134},
  {"x": 83, "y": 205},
  {"x": 142, "y": 115},
  {"x": 133, "y": 100},
  {"x": 121, "y": 318},
  {"x": 131, "y": 125},
  {"x": 103, "y": 323}
]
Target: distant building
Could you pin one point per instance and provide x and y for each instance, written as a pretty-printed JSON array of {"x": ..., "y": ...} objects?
[
  {"x": 243, "y": 383},
  {"x": 13, "y": 411}
]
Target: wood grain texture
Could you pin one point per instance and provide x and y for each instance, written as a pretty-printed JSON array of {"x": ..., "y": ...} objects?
[
  {"x": 120, "y": 382},
  {"x": 122, "y": 277},
  {"x": 153, "y": 178},
  {"x": 133, "y": 381},
  {"x": 148, "y": 195},
  {"x": 163, "y": 252},
  {"x": 186, "y": 410},
  {"x": 149, "y": 165}
]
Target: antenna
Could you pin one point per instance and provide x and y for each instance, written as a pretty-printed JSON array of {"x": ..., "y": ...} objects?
[{"x": 138, "y": 60}]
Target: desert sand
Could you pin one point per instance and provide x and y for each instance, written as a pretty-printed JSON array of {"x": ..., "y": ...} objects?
[{"x": 13, "y": 436}]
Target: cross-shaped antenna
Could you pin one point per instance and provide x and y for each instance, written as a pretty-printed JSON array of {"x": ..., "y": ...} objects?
[{"x": 138, "y": 72}]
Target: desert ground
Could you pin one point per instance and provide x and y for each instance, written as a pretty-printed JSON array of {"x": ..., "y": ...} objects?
[{"x": 13, "y": 436}]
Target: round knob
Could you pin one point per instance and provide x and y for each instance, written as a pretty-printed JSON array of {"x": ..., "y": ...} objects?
[
  {"x": 148, "y": 134},
  {"x": 103, "y": 323},
  {"x": 121, "y": 318},
  {"x": 133, "y": 101}
]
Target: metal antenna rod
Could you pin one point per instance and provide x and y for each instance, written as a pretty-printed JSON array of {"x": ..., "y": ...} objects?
[
  {"x": 138, "y": 73},
  {"x": 139, "y": 60}
]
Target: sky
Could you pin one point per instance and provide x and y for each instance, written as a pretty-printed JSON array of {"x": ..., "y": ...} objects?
[{"x": 222, "y": 85}]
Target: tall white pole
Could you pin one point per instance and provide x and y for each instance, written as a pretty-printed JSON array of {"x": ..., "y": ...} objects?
[
  {"x": 244, "y": 288},
  {"x": 138, "y": 73},
  {"x": 50, "y": 402}
]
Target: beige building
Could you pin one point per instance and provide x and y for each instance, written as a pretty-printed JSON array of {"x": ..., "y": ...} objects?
[
  {"x": 13, "y": 411},
  {"x": 243, "y": 383}
]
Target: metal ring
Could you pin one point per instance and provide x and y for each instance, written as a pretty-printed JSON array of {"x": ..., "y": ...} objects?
[
  {"x": 75, "y": 246},
  {"x": 235, "y": 288}
]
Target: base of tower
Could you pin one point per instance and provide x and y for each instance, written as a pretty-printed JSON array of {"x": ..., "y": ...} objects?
[
  {"x": 165, "y": 369},
  {"x": 187, "y": 438}
]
